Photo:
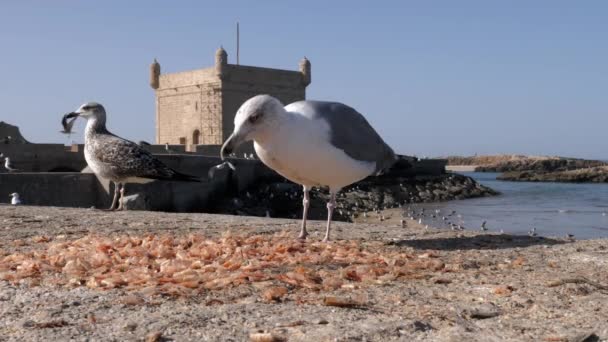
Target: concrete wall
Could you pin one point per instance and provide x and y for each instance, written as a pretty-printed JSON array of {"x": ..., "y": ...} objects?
[
  {"x": 161, "y": 149},
  {"x": 85, "y": 190},
  {"x": 62, "y": 189},
  {"x": 208, "y": 150},
  {"x": 44, "y": 157}
]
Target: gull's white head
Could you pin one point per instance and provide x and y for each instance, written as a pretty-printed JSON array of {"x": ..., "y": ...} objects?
[
  {"x": 257, "y": 118},
  {"x": 89, "y": 110}
]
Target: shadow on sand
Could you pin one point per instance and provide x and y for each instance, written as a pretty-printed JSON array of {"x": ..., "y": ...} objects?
[{"x": 478, "y": 242}]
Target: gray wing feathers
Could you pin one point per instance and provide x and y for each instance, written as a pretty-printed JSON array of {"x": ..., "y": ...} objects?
[
  {"x": 351, "y": 132},
  {"x": 128, "y": 159}
]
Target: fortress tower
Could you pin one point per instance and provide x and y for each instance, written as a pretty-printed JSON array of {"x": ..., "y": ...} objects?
[{"x": 197, "y": 107}]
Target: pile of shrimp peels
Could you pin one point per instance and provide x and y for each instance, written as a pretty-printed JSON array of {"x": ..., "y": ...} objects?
[{"x": 190, "y": 264}]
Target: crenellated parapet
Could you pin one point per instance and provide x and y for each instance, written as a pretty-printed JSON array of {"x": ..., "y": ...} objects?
[
  {"x": 154, "y": 74},
  {"x": 221, "y": 61},
  {"x": 305, "y": 70}
]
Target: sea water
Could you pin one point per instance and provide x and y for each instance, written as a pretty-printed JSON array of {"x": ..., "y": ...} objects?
[{"x": 554, "y": 209}]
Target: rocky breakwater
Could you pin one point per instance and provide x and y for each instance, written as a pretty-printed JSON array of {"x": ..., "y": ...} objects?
[
  {"x": 281, "y": 198},
  {"x": 549, "y": 164},
  {"x": 585, "y": 175},
  {"x": 508, "y": 163}
]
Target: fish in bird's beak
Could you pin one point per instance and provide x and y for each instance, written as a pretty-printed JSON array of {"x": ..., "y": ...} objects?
[
  {"x": 233, "y": 141},
  {"x": 67, "y": 123},
  {"x": 71, "y": 115}
]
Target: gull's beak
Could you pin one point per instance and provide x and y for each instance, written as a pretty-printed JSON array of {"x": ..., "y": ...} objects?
[
  {"x": 71, "y": 115},
  {"x": 233, "y": 141}
]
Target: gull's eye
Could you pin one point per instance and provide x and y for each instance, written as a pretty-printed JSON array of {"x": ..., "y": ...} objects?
[
  {"x": 255, "y": 117},
  {"x": 86, "y": 107}
]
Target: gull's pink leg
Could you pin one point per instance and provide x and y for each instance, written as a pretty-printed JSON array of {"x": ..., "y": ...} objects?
[
  {"x": 115, "y": 199},
  {"x": 305, "y": 203},
  {"x": 330, "y": 210},
  {"x": 121, "y": 204}
]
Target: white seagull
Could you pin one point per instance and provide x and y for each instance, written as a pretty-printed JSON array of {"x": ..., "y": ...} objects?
[
  {"x": 8, "y": 165},
  {"x": 116, "y": 159},
  {"x": 15, "y": 199},
  {"x": 311, "y": 143}
]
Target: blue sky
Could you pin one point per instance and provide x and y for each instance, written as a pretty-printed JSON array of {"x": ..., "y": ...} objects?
[{"x": 433, "y": 77}]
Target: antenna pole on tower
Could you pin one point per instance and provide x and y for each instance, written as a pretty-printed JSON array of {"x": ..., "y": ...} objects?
[{"x": 237, "y": 43}]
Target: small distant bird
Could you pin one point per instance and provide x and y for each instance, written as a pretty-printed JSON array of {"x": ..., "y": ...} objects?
[
  {"x": 483, "y": 226},
  {"x": 420, "y": 221},
  {"x": 15, "y": 200},
  {"x": 252, "y": 156},
  {"x": 267, "y": 213},
  {"x": 426, "y": 227},
  {"x": 403, "y": 223},
  {"x": 570, "y": 236},
  {"x": 532, "y": 232},
  {"x": 381, "y": 218},
  {"x": 167, "y": 148},
  {"x": 365, "y": 215},
  {"x": 67, "y": 125},
  {"x": 8, "y": 165},
  {"x": 118, "y": 160}
]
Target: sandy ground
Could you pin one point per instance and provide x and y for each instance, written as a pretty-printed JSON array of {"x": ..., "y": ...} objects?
[{"x": 491, "y": 287}]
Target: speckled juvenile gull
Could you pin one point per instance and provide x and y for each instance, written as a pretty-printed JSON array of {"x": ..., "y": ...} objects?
[
  {"x": 311, "y": 143},
  {"x": 116, "y": 159}
]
